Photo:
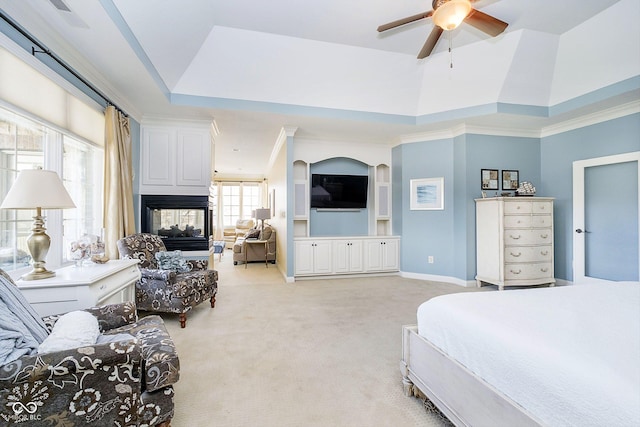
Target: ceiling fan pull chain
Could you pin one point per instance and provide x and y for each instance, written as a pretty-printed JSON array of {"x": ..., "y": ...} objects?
[{"x": 450, "y": 51}]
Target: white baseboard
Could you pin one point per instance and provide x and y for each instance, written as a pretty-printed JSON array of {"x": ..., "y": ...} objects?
[{"x": 436, "y": 278}]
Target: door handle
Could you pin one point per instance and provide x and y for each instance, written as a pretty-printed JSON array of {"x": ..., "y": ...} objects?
[{"x": 580, "y": 230}]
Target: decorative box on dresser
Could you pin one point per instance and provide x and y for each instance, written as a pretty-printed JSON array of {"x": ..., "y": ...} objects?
[
  {"x": 514, "y": 241},
  {"x": 76, "y": 288}
]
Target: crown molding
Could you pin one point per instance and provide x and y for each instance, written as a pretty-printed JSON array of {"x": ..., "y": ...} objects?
[{"x": 616, "y": 112}]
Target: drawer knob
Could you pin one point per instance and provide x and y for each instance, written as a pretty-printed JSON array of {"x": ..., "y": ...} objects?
[
  {"x": 516, "y": 272},
  {"x": 514, "y": 237},
  {"x": 544, "y": 270},
  {"x": 544, "y": 253},
  {"x": 544, "y": 236},
  {"x": 516, "y": 255}
]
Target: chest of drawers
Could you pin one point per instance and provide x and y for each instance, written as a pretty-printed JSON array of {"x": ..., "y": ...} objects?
[{"x": 514, "y": 241}]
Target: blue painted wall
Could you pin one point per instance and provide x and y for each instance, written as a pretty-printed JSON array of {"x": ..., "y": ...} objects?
[
  {"x": 449, "y": 235},
  {"x": 558, "y": 152},
  {"x": 339, "y": 223}
]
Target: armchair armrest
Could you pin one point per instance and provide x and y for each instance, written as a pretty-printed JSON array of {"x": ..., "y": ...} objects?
[
  {"x": 113, "y": 316},
  {"x": 154, "y": 274},
  {"x": 69, "y": 384},
  {"x": 109, "y": 316},
  {"x": 198, "y": 264}
]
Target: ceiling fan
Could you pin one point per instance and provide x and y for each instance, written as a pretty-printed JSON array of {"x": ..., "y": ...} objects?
[{"x": 447, "y": 15}]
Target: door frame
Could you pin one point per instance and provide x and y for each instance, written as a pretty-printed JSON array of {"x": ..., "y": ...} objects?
[{"x": 578, "y": 208}]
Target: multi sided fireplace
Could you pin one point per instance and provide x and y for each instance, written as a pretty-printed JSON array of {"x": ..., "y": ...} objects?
[{"x": 181, "y": 221}]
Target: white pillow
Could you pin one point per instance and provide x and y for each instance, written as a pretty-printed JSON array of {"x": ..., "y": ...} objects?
[{"x": 72, "y": 330}]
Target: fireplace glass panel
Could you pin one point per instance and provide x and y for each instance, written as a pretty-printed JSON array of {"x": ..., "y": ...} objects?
[{"x": 178, "y": 222}]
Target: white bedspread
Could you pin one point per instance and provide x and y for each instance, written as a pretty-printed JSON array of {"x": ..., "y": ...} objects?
[{"x": 569, "y": 355}]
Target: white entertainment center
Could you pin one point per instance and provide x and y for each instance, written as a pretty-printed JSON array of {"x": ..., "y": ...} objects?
[{"x": 377, "y": 252}]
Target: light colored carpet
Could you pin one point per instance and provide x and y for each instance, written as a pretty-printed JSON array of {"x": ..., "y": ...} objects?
[{"x": 311, "y": 353}]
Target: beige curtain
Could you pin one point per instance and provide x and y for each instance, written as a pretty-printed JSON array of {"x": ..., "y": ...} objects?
[{"x": 119, "y": 220}]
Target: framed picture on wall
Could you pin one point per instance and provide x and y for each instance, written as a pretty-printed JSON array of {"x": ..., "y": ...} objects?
[
  {"x": 510, "y": 180},
  {"x": 489, "y": 179},
  {"x": 427, "y": 194}
]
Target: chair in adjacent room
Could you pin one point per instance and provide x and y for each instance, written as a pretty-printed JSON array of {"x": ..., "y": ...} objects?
[{"x": 169, "y": 284}]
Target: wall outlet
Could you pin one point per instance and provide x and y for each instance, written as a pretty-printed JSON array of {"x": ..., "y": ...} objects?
[{"x": 430, "y": 259}]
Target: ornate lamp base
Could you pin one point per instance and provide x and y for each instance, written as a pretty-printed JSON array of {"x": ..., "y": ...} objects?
[{"x": 38, "y": 244}]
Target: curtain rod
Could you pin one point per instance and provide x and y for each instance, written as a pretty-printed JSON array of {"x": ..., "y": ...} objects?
[{"x": 46, "y": 51}]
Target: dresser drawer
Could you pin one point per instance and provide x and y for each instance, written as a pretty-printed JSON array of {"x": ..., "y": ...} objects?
[
  {"x": 541, "y": 221},
  {"x": 540, "y": 207},
  {"x": 528, "y": 271},
  {"x": 519, "y": 254},
  {"x": 515, "y": 237},
  {"x": 517, "y": 207},
  {"x": 518, "y": 221}
]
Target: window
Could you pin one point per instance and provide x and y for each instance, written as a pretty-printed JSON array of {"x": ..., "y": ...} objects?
[
  {"x": 26, "y": 144},
  {"x": 239, "y": 199}
]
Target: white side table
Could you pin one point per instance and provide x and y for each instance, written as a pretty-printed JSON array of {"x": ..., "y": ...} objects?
[{"x": 76, "y": 288}]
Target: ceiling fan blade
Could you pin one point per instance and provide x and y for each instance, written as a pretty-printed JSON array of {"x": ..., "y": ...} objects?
[
  {"x": 404, "y": 21},
  {"x": 486, "y": 23},
  {"x": 431, "y": 42}
]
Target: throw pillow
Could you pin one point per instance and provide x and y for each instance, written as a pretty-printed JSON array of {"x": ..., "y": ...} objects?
[
  {"x": 266, "y": 234},
  {"x": 172, "y": 260},
  {"x": 252, "y": 234},
  {"x": 72, "y": 330}
]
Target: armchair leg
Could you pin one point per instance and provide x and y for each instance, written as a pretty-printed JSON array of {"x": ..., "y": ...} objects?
[
  {"x": 213, "y": 301},
  {"x": 165, "y": 424},
  {"x": 183, "y": 320}
]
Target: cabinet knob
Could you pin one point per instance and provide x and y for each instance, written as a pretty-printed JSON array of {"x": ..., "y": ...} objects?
[
  {"x": 514, "y": 237},
  {"x": 516, "y": 255},
  {"x": 516, "y": 272},
  {"x": 544, "y": 236},
  {"x": 544, "y": 253},
  {"x": 544, "y": 270}
]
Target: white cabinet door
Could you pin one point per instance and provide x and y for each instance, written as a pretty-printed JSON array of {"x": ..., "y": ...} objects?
[
  {"x": 157, "y": 160},
  {"x": 303, "y": 257},
  {"x": 347, "y": 256},
  {"x": 373, "y": 255},
  {"x": 312, "y": 257},
  {"x": 322, "y": 257},
  {"x": 390, "y": 255},
  {"x": 381, "y": 255},
  {"x": 193, "y": 155},
  {"x": 341, "y": 256}
]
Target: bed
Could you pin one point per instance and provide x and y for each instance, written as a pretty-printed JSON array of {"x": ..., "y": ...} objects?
[{"x": 545, "y": 356}]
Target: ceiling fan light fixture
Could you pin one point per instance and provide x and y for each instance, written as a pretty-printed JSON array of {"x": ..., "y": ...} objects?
[{"x": 449, "y": 14}]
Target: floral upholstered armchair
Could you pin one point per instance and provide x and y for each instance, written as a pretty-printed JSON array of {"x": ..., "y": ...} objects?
[
  {"x": 176, "y": 286},
  {"x": 125, "y": 378}
]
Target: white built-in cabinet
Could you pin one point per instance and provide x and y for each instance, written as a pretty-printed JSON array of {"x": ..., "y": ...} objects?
[
  {"x": 340, "y": 255},
  {"x": 376, "y": 253},
  {"x": 175, "y": 158},
  {"x": 514, "y": 241}
]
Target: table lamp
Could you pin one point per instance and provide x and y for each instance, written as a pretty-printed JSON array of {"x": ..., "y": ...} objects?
[
  {"x": 262, "y": 214},
  {"x": 38, "y": 189}
]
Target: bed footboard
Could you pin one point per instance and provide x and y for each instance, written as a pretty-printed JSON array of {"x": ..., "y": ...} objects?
[{"x": 464, "y": 398}]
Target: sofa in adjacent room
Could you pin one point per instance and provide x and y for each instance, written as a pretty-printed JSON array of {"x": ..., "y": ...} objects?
[{"x": 255, "y": 252}]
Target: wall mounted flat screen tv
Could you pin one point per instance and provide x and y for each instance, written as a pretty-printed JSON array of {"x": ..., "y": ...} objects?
[{"x": 329, "y": 191}]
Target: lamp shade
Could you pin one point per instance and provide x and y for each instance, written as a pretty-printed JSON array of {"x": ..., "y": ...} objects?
[
  {"x": 37, "y": 188},
  {"x": 451, "y": 14},
  {"x": 263, "y": 213}
]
